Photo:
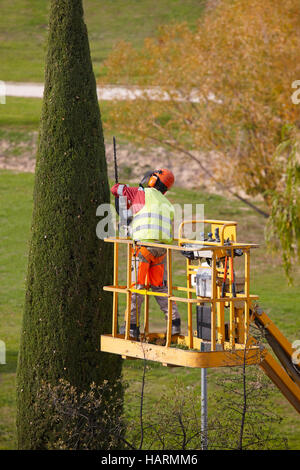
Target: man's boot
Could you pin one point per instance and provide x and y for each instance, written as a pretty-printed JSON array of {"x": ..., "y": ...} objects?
[
  {"x": 134, "y": 331},
  {"x": 176, "y": 327}
]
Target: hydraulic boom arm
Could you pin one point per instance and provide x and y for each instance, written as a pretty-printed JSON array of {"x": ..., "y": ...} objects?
[{"x": 286, "y": 378}]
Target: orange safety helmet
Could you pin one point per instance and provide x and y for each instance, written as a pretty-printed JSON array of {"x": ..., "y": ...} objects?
[{"x": 162, "y": 179}]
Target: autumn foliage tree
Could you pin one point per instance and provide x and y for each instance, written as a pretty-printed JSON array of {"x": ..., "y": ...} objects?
[
  {"x": 225, "y": 87},
  {"x": 283, "y": 227}
]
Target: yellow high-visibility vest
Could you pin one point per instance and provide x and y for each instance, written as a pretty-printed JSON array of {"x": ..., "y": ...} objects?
[{"x": 154, "y": 220}]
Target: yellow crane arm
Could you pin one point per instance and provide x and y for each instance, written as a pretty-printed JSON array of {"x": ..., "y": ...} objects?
[
  {"x": 286, "y": 378},
  {"x": 282, "y": 380}
]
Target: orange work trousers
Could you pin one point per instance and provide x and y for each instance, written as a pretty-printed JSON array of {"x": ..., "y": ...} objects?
[{"x": 150, "y": 268}]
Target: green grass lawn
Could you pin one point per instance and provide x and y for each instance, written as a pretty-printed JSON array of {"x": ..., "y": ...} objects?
[
  {"x": 20, "y": 117},
  {"x": 15, "y": 211},
  {"x": 276, "y": 296},
  {"x": 23, "y": 26}
]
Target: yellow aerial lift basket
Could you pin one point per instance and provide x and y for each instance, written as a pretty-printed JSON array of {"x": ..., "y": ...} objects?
[{"x": 230, "y": 342}]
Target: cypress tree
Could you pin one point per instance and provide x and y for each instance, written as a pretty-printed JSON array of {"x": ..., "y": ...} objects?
[{"x": 66, "y": 309}]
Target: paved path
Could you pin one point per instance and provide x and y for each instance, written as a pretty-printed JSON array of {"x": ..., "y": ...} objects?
[
  {"x": 105, "y": 93},
  {"x": 36, "y": 90}
]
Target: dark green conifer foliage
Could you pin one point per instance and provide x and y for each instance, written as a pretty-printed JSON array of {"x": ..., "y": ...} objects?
[{"x": 66, "y": 309}]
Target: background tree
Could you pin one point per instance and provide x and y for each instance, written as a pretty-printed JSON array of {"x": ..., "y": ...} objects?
[
  {"x": 283, "y": 228},
  {"x": 243, "y": 412},
  {"x": 79, "y": 420},
  {"x": 66, "y": 309},
  {"x": 225, "y": 87},
  {"x": 240, "y": 413}
]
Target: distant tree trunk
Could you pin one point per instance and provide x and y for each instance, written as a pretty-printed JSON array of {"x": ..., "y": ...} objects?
[{"x": 66, "y": 309}]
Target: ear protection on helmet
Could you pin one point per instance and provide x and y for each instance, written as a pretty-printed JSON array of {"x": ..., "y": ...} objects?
[
  {"x": 152, "y": 181},
  {"x": 146, "y": 178},
  {"x": 150, "y": 178}
]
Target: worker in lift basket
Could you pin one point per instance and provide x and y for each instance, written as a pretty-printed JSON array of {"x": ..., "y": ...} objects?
[{"x": 152, "y": 215}]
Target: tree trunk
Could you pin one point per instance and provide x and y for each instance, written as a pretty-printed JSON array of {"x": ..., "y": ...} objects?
[{"x": 66, "y": 309}]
